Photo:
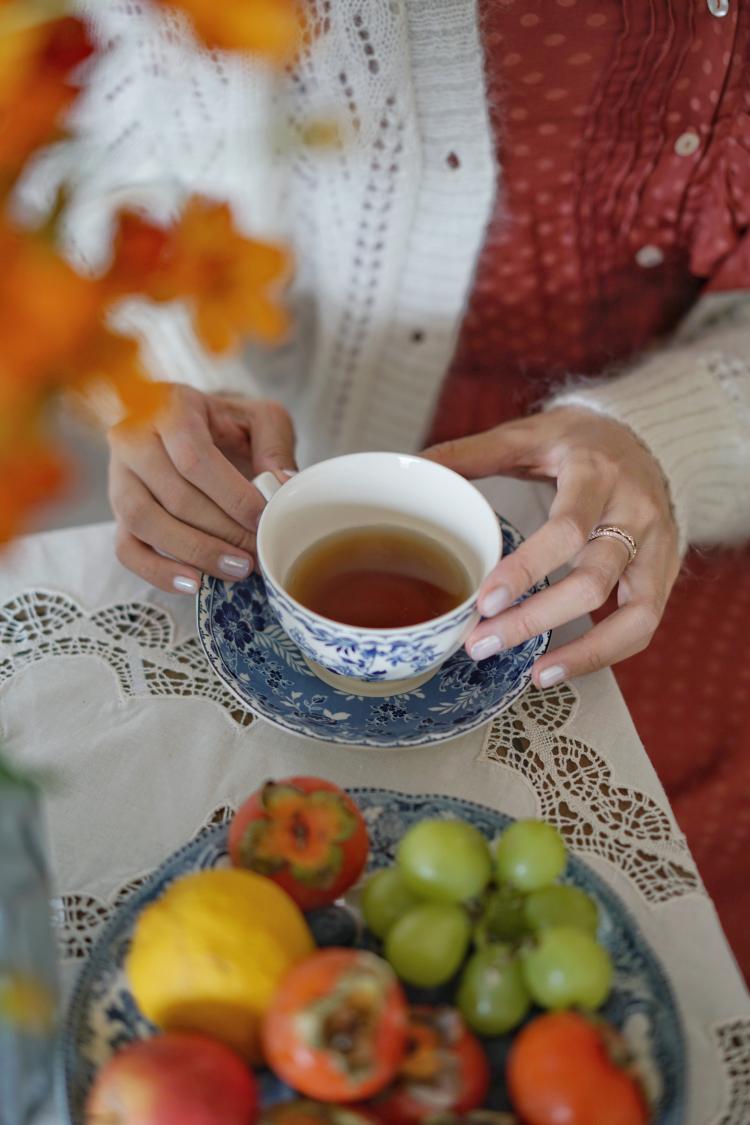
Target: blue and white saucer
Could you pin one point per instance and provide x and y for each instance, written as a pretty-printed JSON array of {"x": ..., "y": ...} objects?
[
  {"x": 103, "y": 1017},
  {"x": 264, "y": 668}
]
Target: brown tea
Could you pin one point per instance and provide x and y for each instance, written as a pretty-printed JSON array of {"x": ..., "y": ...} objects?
[{"x": 379, "y": 577}]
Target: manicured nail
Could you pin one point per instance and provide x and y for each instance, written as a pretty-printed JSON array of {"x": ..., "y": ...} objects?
[
  {"x": 234, "y": 566},
  {"x": 488, "y": 646},
  {"x": 289, "y": 472},
  {"x": 495, "y": 602},
  {"x": 555, "y": 674},
  {"x": 185, "y": 585}
]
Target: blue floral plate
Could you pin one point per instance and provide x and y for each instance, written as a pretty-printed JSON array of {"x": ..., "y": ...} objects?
[
  {"x": 102, "y": 1016},
  {"x": 251, "y": 653}
]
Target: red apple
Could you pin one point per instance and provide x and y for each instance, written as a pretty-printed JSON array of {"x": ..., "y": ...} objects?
[{"x": 180, "y": 1078}]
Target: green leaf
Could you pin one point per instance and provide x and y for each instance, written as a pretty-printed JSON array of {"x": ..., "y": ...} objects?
[
  {"x": 12, "y": 777},
  {"x": 348, "y": 821},
  {"x": 252, "y": 844},
  {"x": 321, "y": 877},
  {"x": 274, "y": 794}
]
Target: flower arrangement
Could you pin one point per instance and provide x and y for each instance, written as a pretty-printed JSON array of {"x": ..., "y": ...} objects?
[{"x": 55, "y": 333}]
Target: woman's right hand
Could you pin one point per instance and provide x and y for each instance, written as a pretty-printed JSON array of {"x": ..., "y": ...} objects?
[{"x": 180, "y": 488}]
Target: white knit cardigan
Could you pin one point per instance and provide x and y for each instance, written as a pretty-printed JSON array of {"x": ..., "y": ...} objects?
[{"x": 386, "y": 232}]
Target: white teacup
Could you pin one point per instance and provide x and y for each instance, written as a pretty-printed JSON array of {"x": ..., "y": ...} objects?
[{"x": 357, "y": 491}]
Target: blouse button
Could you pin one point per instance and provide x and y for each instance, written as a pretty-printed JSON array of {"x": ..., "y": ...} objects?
[
  {"x": 687, "y": 143},
  {"x": 718, "y": 8},
  {"x": 649, "y": 256}
]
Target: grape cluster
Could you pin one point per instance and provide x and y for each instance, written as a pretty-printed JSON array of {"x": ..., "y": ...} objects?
[{"x": 493, "y": 914}]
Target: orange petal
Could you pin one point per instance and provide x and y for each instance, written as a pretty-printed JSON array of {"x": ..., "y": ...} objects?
[
  {"x": 143, "y": 256},
  {"x": 47, "y": 311},
  {"x": 36, "y": 87},
  {"x": 66, "y": 45},
  {"x": 18, "y": 49},
  {"x": 213, "y": 329},
  {"x": 116, "y": 360},
  {"x": 28, "y": 479},
  {"x": 142, "y": 399},
  {"x": 267, "y": 321},
  {"x": 271, "y": 28},
  {"x": 263, "y": 262}
]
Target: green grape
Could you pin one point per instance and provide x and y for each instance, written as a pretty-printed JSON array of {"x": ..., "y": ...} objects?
[
  {"x": 427, "y": 945},
  {"x": 561, "y": 905},
  {"x": 445, "y": 860},
  {"x": 384, "y": 899},
  {"x": 492, "y": 996},
  {"x": 567, "y": 968},
  {"x": 529, "y": 855},
  {"x": 502, "y": 917}
]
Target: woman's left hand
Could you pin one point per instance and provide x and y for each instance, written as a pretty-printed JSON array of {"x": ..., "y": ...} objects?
[{"x": 604, "y": 476}]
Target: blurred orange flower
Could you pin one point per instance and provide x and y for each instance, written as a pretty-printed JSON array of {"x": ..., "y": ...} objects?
[
  {"x": 31, "y": 470},
  {"x": 271, "y": 28},
  {"x": 142, "y": 258},
  {"x": 52, "y": 337},
  {"x": 29, "y": 476},
  {"x": 37, "y": 84},
  {"x": 232, "y": 284},
  {"x": 47, "y": 310},
  {"x": 52, "y": 330},
  {"x": 115, "y": 362},
  {"x": 53, "y": 333}
]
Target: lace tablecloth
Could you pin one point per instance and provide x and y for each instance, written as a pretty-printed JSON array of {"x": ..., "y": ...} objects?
[{"x": 102, "y": 681}]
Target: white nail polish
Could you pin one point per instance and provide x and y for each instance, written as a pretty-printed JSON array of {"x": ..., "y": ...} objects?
[
  {"x": 185, "y": 585},
  {"x": 234, "y": 566},
  {"x": 555, "y": 674},
  {"x": 495, "y": 602},
  {"x": 488, "y": 646},
  {"x": 289, "y": 472}
]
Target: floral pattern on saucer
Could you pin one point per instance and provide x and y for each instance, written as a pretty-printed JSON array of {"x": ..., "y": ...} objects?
[{"x": 262, "y": 665}]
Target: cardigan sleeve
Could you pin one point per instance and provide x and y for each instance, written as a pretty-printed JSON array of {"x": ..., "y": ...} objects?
[{"x": 689, "y": 404}]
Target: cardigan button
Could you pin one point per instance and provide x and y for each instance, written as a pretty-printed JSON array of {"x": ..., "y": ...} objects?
[
  {"x": 687, "y": 143},
  {"x": 718, "y": 8},
  {"x": 649, "y": 256}
]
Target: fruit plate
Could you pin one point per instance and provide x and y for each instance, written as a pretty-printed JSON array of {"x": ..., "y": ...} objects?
[
  {"x": 262, "y": 666},
  {"x": 102, "y": 1016}
]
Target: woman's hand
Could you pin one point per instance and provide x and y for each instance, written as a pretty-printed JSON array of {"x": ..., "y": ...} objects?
[
  {"x": 180, "y": 489},
  {"x": 604, "y": 476}
]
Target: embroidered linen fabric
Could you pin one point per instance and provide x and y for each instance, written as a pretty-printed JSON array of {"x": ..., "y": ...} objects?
[
  {"x": 388, "y": 230},
  {"x": 102, "y": 683}
]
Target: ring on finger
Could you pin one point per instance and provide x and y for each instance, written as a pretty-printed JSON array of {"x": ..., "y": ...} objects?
[{"x": 611, "y": 531}]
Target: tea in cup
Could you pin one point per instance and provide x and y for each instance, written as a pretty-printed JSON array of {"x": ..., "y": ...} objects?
[{"x": 373, "y": 563}]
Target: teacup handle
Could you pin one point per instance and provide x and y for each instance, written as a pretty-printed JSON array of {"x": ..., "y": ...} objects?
[{"x": 267, "y": 485}]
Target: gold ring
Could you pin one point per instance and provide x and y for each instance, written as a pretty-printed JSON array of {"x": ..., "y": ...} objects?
[{"x": 611, "y": 532}]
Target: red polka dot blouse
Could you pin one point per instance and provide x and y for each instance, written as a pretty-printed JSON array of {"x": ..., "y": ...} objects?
[{"x": 623, "y": 137}]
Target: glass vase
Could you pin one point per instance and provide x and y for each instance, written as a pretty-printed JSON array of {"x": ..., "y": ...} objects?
[{"x": 28, "y": 963}]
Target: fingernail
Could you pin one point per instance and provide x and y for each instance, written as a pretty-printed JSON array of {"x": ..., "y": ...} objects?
[
  {"x": 289, "y": 472},
  {"x": 234, "y": 566},
  {"x": 185, "y": 585},
  {"x": 552, "y": 675},
  {"x": 495, "y": 602},
  {"x": 488, "y": 646}
]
